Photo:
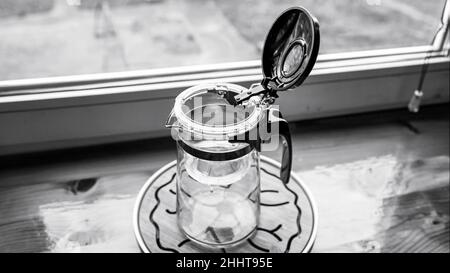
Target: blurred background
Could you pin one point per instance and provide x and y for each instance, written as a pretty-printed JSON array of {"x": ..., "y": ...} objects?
[{"x": 44, "y": 38}]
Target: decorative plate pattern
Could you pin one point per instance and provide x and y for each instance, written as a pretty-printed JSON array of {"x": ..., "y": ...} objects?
[{"x": 288, "y": 220}]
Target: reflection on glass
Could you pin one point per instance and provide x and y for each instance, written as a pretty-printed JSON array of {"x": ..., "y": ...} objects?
[{"x": 42, "y": 38}]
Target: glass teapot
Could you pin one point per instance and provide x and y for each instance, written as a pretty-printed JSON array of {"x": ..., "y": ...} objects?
[{"x": 220, "y": 129}]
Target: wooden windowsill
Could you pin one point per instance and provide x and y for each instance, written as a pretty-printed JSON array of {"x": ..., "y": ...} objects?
[{"x": 381, "y": 182}]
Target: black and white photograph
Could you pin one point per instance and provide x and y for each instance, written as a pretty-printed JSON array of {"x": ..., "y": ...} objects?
[{"x": 224, "y": 127}]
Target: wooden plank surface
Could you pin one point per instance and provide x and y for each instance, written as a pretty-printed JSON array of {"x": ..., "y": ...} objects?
[{"x": 381, "y": 182}]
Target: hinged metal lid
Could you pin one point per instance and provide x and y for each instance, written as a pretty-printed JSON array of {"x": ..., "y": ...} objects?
[
  {"x": 289, "y": 54},
  {"x": 290, "y": 50}
]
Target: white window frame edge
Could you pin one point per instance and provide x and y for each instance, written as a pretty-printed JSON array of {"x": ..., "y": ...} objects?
[{"x": 61, "y": 112}]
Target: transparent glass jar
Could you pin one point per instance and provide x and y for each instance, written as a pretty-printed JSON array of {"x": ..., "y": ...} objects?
[
  {"x": 220, "y": 129},
  {"x": 218, "y": 172},
  {"x": 218, "y": 201}
]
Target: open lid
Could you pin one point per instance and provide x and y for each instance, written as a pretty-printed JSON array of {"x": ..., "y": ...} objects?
[{"x": 290, "y": 49}]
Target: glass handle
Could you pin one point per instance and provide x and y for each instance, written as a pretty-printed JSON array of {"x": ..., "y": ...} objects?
[
  {"x": 264, "y": 132},
  {"x": 275, "y": 118}
]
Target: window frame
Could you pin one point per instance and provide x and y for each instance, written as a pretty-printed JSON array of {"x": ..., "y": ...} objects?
[{"x": 69, "y": 111}]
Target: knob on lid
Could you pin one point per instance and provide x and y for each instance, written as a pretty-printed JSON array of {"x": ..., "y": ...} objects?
[{"x": 290, "y": 49}]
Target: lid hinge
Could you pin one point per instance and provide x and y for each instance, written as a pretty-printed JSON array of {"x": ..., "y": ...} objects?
[{"x": 265, "y": 90}]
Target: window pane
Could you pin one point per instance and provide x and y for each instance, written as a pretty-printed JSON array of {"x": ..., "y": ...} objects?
[{"x": 43, "y": 38}]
